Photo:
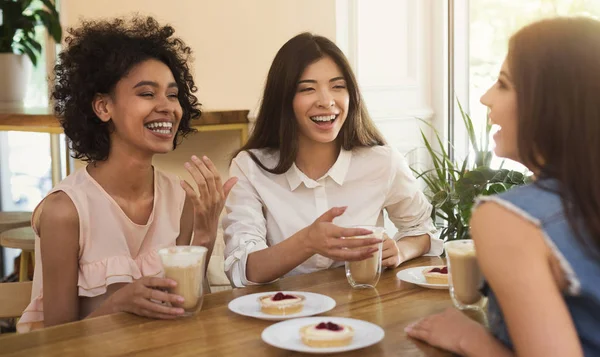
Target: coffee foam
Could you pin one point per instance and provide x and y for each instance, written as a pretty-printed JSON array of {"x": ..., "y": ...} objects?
[
  {"x": 182, "y": 256},
  {"x": 461, "y": 248}
]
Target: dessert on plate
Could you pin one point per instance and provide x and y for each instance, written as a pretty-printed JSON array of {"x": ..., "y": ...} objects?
[
  {"x": 326, "y": 334},
  {"x": 281, "y": 304},
  {"x": 436, "y": 275}
]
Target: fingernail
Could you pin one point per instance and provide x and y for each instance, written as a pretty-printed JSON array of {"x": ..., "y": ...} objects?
[
  {"x": 205, "y": 158},
  {"x": 173, "y": 283},
  {"x": 180, "y": 299},
  {"x": 187, "y": 164},
  {"x": 194, "y": 157},
  {"x": 408, "y": 328}
]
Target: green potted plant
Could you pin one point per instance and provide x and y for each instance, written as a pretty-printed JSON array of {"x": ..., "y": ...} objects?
[
  {"x": 18, "y": 43},
  {"x": 452, "y": 186}
]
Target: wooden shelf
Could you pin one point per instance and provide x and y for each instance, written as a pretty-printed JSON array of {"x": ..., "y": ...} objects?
[{"x": 42, "y": 120}]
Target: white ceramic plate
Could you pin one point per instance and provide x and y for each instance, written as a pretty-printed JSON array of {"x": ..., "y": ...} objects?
[
  {"x": 415, "y": 276},
  {"x": 286, "y": 334},
  {"x": 314, "y": 304}
]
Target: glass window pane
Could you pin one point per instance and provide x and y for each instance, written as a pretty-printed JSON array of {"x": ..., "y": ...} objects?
[{"x": 29, "y": 165}]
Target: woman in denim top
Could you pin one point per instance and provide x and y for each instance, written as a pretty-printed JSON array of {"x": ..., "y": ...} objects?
[{"x": 539, "y": 245}]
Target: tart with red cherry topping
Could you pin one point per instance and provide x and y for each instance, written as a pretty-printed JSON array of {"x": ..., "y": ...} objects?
[
  {"x": 326, "y": 334},
  {"x": 281, "y": 304},
  {"x": 436, "y": 275}
]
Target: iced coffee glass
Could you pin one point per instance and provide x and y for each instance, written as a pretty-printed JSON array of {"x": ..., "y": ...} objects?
[
  {"x": 365, "y": 273},
  {"x": 464, "y": 275},
  {"x": 185, "y": 265}
]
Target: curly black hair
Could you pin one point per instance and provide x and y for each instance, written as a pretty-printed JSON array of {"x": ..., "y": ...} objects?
[{"x": 98, "y": 55}]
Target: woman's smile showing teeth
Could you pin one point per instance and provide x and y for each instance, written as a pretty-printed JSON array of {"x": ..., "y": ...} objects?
[
  {"x": 323, "y": 119},
  {"x": 160, "y": 128}
]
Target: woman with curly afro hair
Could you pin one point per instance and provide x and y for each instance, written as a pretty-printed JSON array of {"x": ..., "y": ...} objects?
[{"x": 123, "y": 93}]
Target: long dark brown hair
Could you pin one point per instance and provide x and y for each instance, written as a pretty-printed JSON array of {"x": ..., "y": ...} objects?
[
  {"x": 276, "y": 127},
  {"x": 555, "y": 66}
]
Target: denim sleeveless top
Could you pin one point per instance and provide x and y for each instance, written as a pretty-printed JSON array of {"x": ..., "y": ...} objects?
[{"x": 540, "y": 204}]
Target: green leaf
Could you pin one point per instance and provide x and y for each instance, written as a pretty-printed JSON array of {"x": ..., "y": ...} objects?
[
  {"x": 516, "y": 177},
  {"x": 500, "y": 176},
  {"x": 441, "y": 215},
  {"x": 475, "y": 177},
  {"x": 443, "y": 155},
  {"x": 51, "y": 23},
  {"x": 487, "y": 172},
  {"x": 483, "y": 158},
  {"x": 497, "y": 188},
  {"x": 22, "y": 48},
  {"x": 486, "y": 136},
  {"x": 431, "y": 183},
  {"x": 50, "y": 5},
  {"x": 469, "y": 126},
  {"x": 444, "y": 233},
  {"x": 464, "y": 167},
  {"x": 33, "y": 44},
  {"x": 439, "y": 198},
  {"x": 25, "y": 4},
  {"x": 434, "y": 158}
]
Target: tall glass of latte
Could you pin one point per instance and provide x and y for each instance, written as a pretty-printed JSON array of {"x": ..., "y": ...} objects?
[
  {"x": 185, "y": 265},
  {"x": 365, "y": 273},
  {"x": 464, "y": 275}
]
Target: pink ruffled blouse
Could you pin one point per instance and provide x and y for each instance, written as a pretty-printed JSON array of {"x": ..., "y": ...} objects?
[{"x": 112, "y": 248}]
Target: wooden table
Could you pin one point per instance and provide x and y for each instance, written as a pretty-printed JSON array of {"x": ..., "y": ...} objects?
[
  {"x": 42, "y": 120},
  {"x": 10, "y": 220},
  {"x": 18, "y": 238},
  {"x": 216, "y": 331}
]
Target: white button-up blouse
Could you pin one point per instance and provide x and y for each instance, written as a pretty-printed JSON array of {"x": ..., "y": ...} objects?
[{"x": 264, "y": 209}]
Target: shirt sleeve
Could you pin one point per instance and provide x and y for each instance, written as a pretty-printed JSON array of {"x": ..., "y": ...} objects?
[
  {"x": 244, "y": 224},
  {"x": 407, "y": 206}
]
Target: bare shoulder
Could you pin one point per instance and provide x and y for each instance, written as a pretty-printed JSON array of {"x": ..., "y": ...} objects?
[
  {"x": 500, "y": 232},
  {"x": 59, "y": 215},
  {"x": 59, "y": 206}
]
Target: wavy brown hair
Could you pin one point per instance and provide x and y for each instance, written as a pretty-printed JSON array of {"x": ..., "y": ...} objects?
[
  {"x": 555, "y": 65},
  {"x": 276, "y": 127}
]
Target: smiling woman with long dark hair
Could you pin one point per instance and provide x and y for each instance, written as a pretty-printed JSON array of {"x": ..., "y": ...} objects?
[{"x": 315, "y": 155}]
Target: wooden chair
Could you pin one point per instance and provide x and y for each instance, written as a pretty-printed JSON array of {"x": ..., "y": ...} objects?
[
  {"x": 14, "y": 298},
  {"x": 21, "y": 238}
]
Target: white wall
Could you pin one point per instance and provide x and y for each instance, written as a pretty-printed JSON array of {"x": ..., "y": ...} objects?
[
  {"x": 234, "y": 42},
  {"x": 397, "y": 50}
]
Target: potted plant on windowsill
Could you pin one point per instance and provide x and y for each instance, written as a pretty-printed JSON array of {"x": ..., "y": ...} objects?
[
  {"x": 453, "y": 186},
  {"x": 18, "y": 45}
]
